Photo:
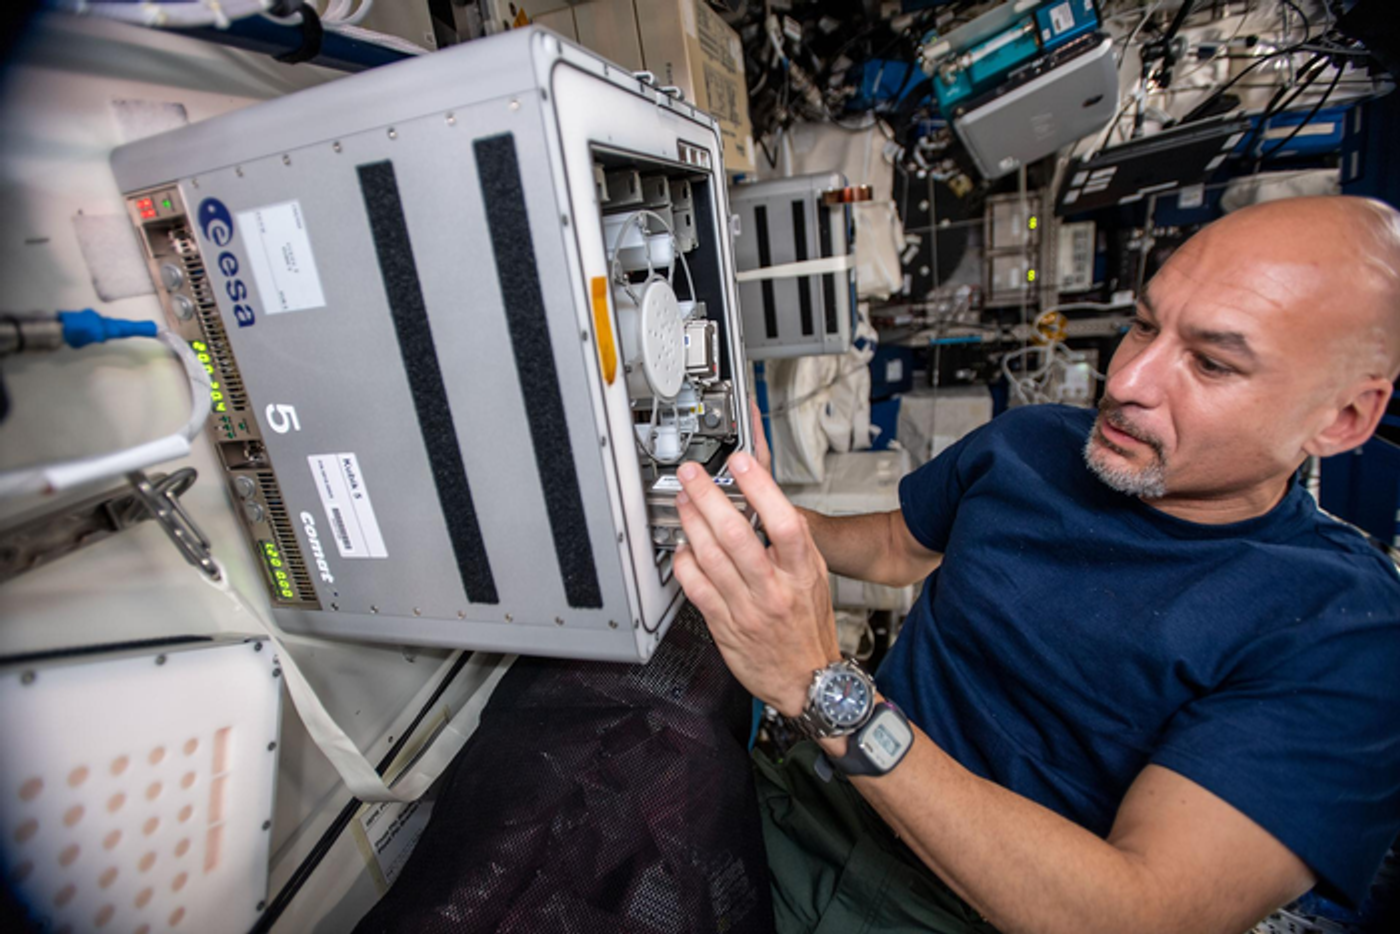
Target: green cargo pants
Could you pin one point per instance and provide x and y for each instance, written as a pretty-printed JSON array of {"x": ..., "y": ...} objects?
[{"x": 836, "y": 866}]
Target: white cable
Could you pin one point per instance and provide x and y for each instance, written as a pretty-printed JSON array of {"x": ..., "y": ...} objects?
[
  {"x": 361, "y": 778},
  {"x": 340, "y": 20},
  {"x": 183, "y": 13},
  {"x": 358, "y": 16},
  {"x": 378, "y": 38},
  {"x": 51, "y": 478}
]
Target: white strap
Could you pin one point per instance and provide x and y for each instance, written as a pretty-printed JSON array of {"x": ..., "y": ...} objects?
[
  {"x": 808, "y": 267},
  {"x": 355, "y": 770}
]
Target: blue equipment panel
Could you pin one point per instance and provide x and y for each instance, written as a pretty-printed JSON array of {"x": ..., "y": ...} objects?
[
  {"x": 1323, "y": 135},
  {"x": 981, "y": 65},
  {"x": 1060, "y": 22}
]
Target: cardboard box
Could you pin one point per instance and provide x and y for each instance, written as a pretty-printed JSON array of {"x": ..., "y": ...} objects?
[
  {"x": 686, "y": 44},
  {"x": 609, "y": 27},
  {"x": 683, "y": 43},
  {"x": 561, "y": 21}
]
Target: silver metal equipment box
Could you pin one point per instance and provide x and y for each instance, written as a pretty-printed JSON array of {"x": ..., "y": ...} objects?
[
  {"x": 465, "y": 315},
  {"x": 795, "y": 250},
  {"x": 1057, "y": 101}
]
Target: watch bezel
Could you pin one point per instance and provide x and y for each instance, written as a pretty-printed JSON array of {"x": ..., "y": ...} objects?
[
  {"x": 830, "y": 709},
  {"x": 814, "y": 720}
]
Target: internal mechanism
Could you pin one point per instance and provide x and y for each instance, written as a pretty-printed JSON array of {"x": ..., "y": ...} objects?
[{"x": 674, "y": 357}]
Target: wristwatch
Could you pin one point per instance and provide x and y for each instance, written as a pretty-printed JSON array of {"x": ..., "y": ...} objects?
[
  {"x": 840, "y": 699},
  {"x": 880, "y": 745}
]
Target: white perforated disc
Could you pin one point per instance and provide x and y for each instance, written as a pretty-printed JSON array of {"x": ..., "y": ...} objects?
[{"x": 663, "y": 340}]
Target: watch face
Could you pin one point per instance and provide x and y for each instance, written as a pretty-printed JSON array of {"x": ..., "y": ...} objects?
[{"x": 844, "y": 699}]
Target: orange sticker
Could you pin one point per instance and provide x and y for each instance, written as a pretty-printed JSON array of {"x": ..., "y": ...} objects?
[{"x": 602, "y": 327}]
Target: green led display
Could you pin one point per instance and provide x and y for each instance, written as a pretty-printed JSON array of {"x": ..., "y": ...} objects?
[{"x": 280, "y": 581}]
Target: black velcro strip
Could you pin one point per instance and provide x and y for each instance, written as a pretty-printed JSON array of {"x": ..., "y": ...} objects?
[
  {"x": 804, "y": 283},
  {"x": 498, "y": 171},
  {"x": 828, "y": 278},
  {"x": 404, "y": 290},
  {"x": 765, "y": 259}
]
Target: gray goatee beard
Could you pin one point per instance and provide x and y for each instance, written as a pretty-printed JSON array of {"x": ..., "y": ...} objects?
[{"x": 1148, "y": 482}]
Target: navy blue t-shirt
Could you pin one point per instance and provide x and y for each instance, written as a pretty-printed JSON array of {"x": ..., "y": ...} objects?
[{"x": 1073, "y": 635}]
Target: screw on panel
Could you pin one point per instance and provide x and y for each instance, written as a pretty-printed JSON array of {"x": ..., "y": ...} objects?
[
  {"x": 286, "y": 159},
  {"x": 262, "y": 906},
  {"x": 393, "y": 133},
  {"x": 612, "y": 624},
  {"x": 27, "y": 678},
  {"x": 564, "y": 219},
  {"x": 509, "y": 618},
  {"x": 621, "y": 538},
  {"x": 602, "y": 441},
  {"x": 461, "y": 614},
  {"x": 336, "y": 146},
  {"x": 451, "y": 119},
  {"x": 194, "y": 183},
  {"x": 515, "y": 105},
  {"x": 257, "y": 646},
  {"x": 558, "y": 620},
  {"x": 417, "y": 611},
  {"x": 335, "y": 606},
  {"x": 373, "y": 608},
  {"x": 277, "y": 672},
  {"x": 583, "y": 336},
  {"x": 271, "y": 746},
  {"x": 238, "y": 170},
  {"x": 160, "y": 659},
  {"x": 636, "y": 624},
  {"x": 267, "y": 825}
]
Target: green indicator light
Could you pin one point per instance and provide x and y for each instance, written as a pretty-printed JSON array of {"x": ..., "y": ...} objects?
[{"x": 168, "y": 204}]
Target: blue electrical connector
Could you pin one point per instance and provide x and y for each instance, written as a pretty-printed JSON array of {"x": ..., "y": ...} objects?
[{"x": 81, "y": 328}]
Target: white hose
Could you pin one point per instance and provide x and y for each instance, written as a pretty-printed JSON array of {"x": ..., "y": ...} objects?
[
  {"x": 180, "y": 13},
  {"x": 51, "y": 478}
]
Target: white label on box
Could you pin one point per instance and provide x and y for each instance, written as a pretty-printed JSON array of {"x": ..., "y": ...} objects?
[
  {"x": 894, "y": 371},
  {"x": 387, "y": 832},
  {"x": 1192, "y": 196},
  {"x": 1061, "y": 18},
  {"x": 279, "y": 250},
  {"x": 349, "y": 511}
]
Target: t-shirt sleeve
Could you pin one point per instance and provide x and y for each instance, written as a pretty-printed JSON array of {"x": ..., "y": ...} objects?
[
  {"x": 929, "y": 496},
  {"x": 1304, "y": 739}
]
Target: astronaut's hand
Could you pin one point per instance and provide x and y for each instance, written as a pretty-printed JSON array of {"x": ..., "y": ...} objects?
[
  {"x": 769, "y": 609},
  {"x": 760, "y": 440}
]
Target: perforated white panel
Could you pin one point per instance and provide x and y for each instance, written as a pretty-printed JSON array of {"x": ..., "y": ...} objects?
[{"x": 136, "y": 790}]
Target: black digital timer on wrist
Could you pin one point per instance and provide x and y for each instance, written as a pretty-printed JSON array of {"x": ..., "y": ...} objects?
[{"x": 878, "y": 746}]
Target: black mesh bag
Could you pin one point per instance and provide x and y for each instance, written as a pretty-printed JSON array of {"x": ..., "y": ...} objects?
[{"x": 596, "y": 798}]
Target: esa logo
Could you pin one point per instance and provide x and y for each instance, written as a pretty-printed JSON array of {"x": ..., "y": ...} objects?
[{"x": 216, "y": 223}]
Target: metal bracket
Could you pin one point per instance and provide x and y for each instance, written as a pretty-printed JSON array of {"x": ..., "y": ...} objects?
[
  {"x": 164, "y": 506},
  {"x": 49, "y": 535}
]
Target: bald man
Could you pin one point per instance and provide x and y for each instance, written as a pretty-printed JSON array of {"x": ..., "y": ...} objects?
[{"x": 1152, "y": 688}]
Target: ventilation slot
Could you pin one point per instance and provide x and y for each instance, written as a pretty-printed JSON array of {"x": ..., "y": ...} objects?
[
  {"x": 285, "y": 539},
  {"x": 210, "y": 323}
]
